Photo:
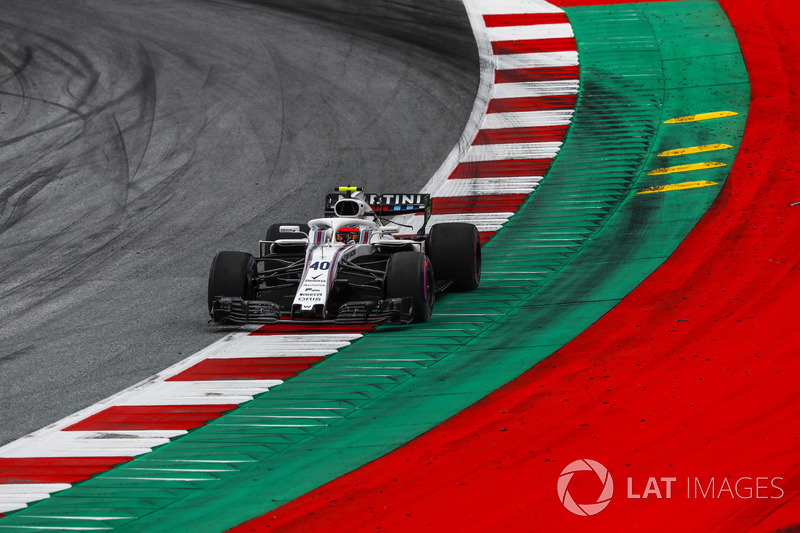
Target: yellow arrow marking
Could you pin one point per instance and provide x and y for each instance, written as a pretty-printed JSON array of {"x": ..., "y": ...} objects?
[
  {"x": 677, "y": 186},
  {"x": 685, "y": 168},
  {"x": 695, "y": 149},
  {"x": 701, "y": 116}
]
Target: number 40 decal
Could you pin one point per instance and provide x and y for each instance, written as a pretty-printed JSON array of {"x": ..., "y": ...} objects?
[{"x": 320, "y": 265}]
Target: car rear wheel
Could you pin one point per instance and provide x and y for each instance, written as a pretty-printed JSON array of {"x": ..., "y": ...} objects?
[
  {"x": 230, "y": 276},
  {"x": 411, "y": 274},
  {"x": 455, "y": 251}
]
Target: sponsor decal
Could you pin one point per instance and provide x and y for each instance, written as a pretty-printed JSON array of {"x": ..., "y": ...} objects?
[
  {"x": 398, "y": 202},
  {"x": 313, "y": 290},
  {"x": 318, "y": 275}
]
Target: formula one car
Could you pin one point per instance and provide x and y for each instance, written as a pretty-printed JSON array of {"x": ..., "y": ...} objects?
[{"x": 351, "y": 266}]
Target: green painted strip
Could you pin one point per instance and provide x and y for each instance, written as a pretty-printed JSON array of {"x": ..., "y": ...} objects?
[{"x": 538, "y": 292}]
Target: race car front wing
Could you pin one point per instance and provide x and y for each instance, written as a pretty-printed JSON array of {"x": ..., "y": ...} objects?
[{"x": 238, "y": 311}]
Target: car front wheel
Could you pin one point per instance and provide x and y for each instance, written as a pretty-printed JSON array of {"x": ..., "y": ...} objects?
[
  {"x": 411, "y": 274},
  {"x": 230, "y": 276}
]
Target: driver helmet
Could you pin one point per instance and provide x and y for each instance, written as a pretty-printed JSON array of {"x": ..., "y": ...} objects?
[{"x": 347, "y": 234}]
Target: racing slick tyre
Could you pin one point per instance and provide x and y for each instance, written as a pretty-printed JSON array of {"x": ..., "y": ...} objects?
[
  {"x": 274, "y": 232},
  {"x": 455, "y": 251},
  {"x": 230, "y": 276},
  {"x": 411, "y": 274}
]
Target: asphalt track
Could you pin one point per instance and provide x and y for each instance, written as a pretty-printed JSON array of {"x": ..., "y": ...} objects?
[{"x": 138, "y": 140}]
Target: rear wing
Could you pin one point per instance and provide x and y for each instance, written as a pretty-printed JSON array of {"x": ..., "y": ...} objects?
[{"x": 385, "y": 204}]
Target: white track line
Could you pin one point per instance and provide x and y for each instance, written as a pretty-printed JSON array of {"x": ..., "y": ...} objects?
[
  {"x": 502, "y": 152},
  {"x": 536, "y": 60},
  {"x": 535, "y": 88},
  {"x": 536, "y": 31},
  {"x": 484, "y": 186},
  {"x": 528, "y": 118}
]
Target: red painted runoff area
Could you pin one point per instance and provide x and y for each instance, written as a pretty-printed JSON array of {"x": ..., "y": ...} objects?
[
  {"x": 516, "y": 75},
  {"x": 501, "y": 169},
  {"x": 524, "y": 19},
  {"x": 53, "y": 469},
  {"x": 687, "y": 391},
  {"x": 531, "y": 46},
  {"x": 246, "y": 368},
  {"x": 525, "y": 134},
  {"x": 531, "y": 103},
  {"x": 144, "y": 417},
  {"x": 485, "y": 203},
  {"x": 298, "y": 328}
]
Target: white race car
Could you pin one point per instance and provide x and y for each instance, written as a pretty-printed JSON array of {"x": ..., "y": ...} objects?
[{"x": 351, "y": 266}]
